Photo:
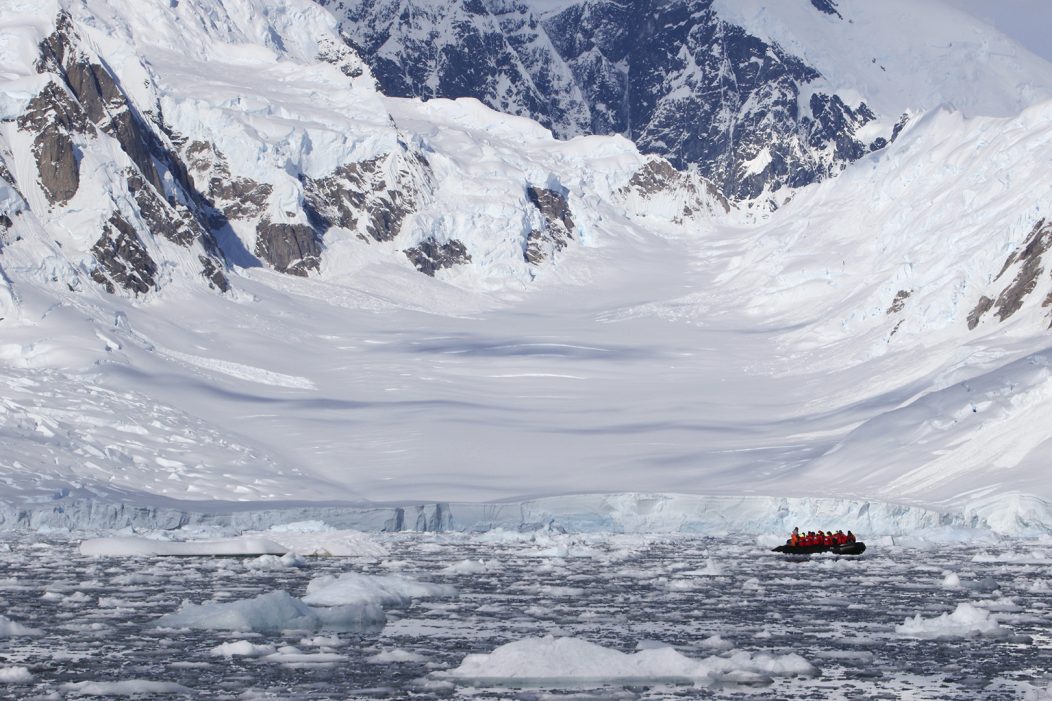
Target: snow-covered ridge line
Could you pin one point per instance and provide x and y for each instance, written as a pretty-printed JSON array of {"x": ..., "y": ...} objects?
[{"x": 594, "y": 513}]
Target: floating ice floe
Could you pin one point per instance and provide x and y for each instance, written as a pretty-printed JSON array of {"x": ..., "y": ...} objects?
[
  {"x": 275, "y": 612},
  {"x": 242, "y": 648},
  {"x": 128, "y": 546},
  {"x": 10, "y": 629},
  {"x": 469, "y": 567},
  {"x": 314, "y": 538},
  {"x": 395, "y": 656},
  {"x": 1032, "y": 557},
  {"x": 274, "y": 562},
  {"x": 127, "y": 687},
  {"x": 352, "y": 588},
  {"x": 966, "y": 621},
  {"x": 551, "y": 661}
]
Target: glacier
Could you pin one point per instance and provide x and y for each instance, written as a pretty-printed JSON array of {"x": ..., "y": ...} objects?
[{"x": 311, "y": 300}]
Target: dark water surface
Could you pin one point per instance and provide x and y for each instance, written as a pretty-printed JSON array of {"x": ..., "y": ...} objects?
[{"x": 96, "y": 617}]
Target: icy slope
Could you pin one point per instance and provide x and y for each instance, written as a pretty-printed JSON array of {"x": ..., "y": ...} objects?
[{"x": 236, "y": 272}]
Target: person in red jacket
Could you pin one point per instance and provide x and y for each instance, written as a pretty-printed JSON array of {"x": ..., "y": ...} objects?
[
  {"x": 850, "y": 537},
  {"x": 828, "y": 540}
]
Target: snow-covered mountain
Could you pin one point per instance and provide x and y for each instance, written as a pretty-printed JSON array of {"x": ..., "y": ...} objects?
[
  {"x": 233, "y": 269},
  {"x": 756, "y": 95}
]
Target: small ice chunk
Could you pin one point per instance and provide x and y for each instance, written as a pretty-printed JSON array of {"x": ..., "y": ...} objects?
[
  {"x": 15, "y": 675},
  {"x": 10, "y": 629},
  {"x": 352, "y": 588},
  {"x": 716, "y": 643},
  {"x": 241, "y": 648},
  {"x": 273, "y": 562},
  {"x": 952, "y": 580},
  {"x": 466, "y": 567},
  {"x": 395, "y": 656},
  {"x": 966, "y": 621},
  {"x": 274, "y": 612}
]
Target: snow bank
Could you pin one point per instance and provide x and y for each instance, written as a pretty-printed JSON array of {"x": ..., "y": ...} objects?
[
  {"x": 142, "y": 547},
  {"x": 353, "y": 589},
  {"x": 559, "y": 660},
  {"x": 10, "y": 629},
  {"x": 274, "y": 612},
  {"x": 127, "y": 687},
  {"x": 966, "y": 621}
]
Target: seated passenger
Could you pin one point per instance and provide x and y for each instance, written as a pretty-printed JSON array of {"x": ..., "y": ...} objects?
[{"x": 850, "y": 537}]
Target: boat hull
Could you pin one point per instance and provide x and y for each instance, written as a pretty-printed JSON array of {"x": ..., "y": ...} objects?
[{"x": 846, "y": 549}]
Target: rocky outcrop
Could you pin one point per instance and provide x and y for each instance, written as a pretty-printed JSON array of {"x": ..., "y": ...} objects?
[
  {"x": 178, "y": 224},
  {"x": 122, "y": 260},
  {"x": 83, "y": 101},
  {"x": 657, "y": 183},
  {"x": 236, "y": 198},
  {"x": 899, "y": 303},
  {"x": 372, "y": 197},
  {"x": 557, "y": 230},
  {"x": 55, "y": 118},
  {"x": 101, "y": 97},
  {"x": 430, "y": 256},
  {"x": 827, "y": 6},
  {"x": 1027, "y": 259},
  {"x": 290, "y": 248}
]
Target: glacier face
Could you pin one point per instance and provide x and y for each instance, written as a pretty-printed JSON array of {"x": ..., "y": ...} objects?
[{"x": 235, "y": 271}]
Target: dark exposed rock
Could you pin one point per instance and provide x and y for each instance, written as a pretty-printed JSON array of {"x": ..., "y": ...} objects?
[
  {"x": 237, "y": 198},
  {"x": 291, "y": 248},
  {"x": 159, "y": 215},
  {"x": 430, "y": 256},
  {"x": 1028, "y": 258},
  {"x": 101, "y": 97},
  {"x": 360, "y": 192},
  {"x": 976, "y": 315},
  {"x": 657, "y": 176},
  {"x": 899, "y": 302},
  {"x": 671, "y": 75},
  {"x": 55, "y": 117},
  {"x": 341, "y": 56},
  {"x": 827, "y": 6},
  {"x": 122, "y": 259},
  {"x": 212, "y": 270},
  {"x": 558, "y": 227}
]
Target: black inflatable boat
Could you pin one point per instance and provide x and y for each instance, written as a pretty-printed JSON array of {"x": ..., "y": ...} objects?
[{"x": 856, "y": 548}]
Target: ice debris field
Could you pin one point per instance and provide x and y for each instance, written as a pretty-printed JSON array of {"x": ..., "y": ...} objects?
[{"x": 525, "y": 616}]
